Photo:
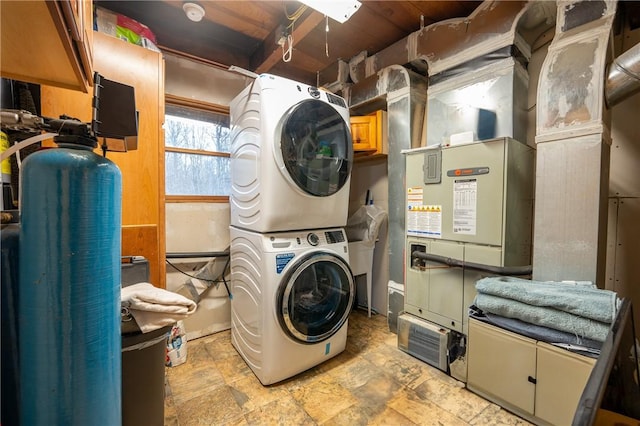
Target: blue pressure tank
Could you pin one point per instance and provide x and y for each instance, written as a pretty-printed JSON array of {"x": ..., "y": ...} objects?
[{"x": 69, "y": 292}]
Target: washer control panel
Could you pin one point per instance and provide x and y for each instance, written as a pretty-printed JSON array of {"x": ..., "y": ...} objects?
[{"x": 309, "y": 239}]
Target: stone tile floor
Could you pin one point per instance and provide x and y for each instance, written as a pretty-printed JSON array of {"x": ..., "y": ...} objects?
[{"x": 371, "y": 383}]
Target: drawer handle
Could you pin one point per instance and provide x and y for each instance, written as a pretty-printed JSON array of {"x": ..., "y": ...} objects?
[{"x": 532, "y": 380}]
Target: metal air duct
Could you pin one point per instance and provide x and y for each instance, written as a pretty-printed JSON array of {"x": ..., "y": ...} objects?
[
  {"x": 405, "y": 95},
  {"x": 485, "y": 42},
  {"x": 623, "y": 79},
  {"x": 573, "y": 147}
]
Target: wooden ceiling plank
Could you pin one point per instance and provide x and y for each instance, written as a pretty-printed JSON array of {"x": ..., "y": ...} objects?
[
  {"x": 403, "y": 14},
  {"x": 243, "y": 32},
  {"x": 242, "y": 16}
]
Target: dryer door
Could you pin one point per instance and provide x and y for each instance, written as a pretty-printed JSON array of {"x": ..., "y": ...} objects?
[
  {"x": 316, "y": 148},
  {"x": 315, "y": 297}
]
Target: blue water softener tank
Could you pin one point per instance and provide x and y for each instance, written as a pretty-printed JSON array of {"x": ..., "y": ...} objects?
[{"x": 69, "y": 301}]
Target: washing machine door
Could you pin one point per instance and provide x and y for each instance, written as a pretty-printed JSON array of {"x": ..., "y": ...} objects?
[
  {"x": 316, "y": 148},
  {"x": 315, "y": 297}
]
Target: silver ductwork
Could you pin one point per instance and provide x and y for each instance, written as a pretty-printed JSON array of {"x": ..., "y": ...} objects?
[
  {"x": 479, "y": 104},
  {"x": 403, "y": 94},
  {"x": 444, "y": 45},
  {"x": 623, "y": 77},
  {"x": 480, "y": 58},
  {"x": 573, "y": 146}
]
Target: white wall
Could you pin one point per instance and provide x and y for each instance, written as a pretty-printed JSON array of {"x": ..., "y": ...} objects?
[
  {"x": 195, "y": 80},
  {"x": 200, "y": 227}
]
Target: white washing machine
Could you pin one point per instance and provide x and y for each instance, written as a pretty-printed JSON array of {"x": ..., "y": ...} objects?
[
  {"x": 292, "y": 295},
  {"x": 291, "y": 157}
]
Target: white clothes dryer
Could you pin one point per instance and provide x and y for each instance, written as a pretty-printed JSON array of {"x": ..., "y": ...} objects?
[
  {"x": 292, "y": 295},
  {"x": 291, "y": 157}
]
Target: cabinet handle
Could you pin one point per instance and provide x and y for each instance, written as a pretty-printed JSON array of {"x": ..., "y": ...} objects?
[{"x": 532, "y": 380}]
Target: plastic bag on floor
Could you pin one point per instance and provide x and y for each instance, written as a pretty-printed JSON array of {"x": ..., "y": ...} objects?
[{"x": 176, "y": 346}]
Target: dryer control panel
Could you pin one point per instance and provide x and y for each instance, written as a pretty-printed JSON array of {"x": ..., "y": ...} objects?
[{"x": 335, "y": 237}]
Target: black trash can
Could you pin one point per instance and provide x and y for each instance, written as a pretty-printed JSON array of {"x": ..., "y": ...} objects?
[
  {"x": 143, "y": 360},
  {"x": 143, "y": 367}
]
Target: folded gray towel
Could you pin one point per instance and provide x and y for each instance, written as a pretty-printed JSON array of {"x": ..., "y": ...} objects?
[
  {"x": 581, "y": 300},
  {"x": 544, "y": 316}
]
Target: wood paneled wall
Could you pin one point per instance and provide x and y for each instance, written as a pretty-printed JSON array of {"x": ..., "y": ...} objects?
[{"x": 143, "y": 214}]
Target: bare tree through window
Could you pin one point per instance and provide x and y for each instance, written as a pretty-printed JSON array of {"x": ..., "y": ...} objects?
[{"x": 197, "y": 152}]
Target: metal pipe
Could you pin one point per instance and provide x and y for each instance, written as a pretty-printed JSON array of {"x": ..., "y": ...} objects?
[
  {"x": 623, "y": 78},
  {"x": 500, "y": 270}
]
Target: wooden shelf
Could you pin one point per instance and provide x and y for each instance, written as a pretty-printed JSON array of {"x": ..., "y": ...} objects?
[{"x": 369, "y": 157}]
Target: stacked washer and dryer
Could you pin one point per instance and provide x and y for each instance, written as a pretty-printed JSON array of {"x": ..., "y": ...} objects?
[{"x": 292, "y": 286}]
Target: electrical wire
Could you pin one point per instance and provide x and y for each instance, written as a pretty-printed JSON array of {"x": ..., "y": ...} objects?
[
  {"x": 295, "y": 15},
  {"x": 287, "y": 46},
  {"x": 226, "y": 286},
  {"x": 192, "y": 276},
  {"x": 326, "y": 37},
  {"x": 287, "y": 51}
]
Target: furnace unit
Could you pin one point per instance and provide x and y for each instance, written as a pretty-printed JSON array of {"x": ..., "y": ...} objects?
[{"x": 469, "y": 214}]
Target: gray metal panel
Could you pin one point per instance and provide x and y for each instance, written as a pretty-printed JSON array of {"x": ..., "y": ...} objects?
[
  {"x": 432, "y": 167},
  {"x": 500, "y": 173},
  {"x": 518, "y": 204},
  {"x": 571, "y": 210},
  {"x": 417, "y": 286},
  {"x": 446, "y": 287},
  {"x": 612, "y": 224},
  {"x": 489, "y": 192},
  {"x": 403, "y": 134},
  {"x": 627, "y": 267}
]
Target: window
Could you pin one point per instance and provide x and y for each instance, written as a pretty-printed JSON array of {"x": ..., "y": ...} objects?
[{"x": 197, "y": 145}]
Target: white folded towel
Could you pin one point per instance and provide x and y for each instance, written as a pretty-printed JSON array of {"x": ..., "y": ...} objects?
[{"x": 153, "y": 307}]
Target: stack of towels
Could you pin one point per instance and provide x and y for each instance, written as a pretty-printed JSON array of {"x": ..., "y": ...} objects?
[
  {"x": 154, "y": 308},
  {"x": 578, "y": 308}
]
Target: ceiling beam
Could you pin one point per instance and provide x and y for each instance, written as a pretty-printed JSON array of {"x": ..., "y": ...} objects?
[{"x": 270, "y": 53}]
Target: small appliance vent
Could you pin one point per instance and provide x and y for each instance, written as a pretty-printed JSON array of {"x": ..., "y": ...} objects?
[{"x": 425, "y": 341}]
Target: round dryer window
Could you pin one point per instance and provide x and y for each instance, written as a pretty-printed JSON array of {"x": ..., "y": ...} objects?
[
  {"x": 315, "y": 297},
  {"x": 316, "y": 148}
]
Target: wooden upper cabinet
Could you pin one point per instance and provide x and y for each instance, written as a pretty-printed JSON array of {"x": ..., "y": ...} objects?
[
  {"x": 47, "y": 42},
  {"x": 366, "y": 132}
]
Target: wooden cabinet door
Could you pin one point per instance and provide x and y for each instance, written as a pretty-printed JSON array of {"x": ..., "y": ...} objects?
[
  {"x": 43, "y": 44},
  {"x": 78, "y": 16},
  {"x": 364, "y": 133}
]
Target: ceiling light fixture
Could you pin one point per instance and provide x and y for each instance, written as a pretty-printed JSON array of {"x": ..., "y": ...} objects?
[
  {"x": 194, "y": 11},
  {"x": 340, "y": 10}
]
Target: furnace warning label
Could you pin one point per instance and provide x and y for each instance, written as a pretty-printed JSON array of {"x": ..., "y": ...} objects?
[
  {"x": 415, "y": 196},
  {"x": 424, "y": 221},
  {"x": 465, "y": 209}
]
